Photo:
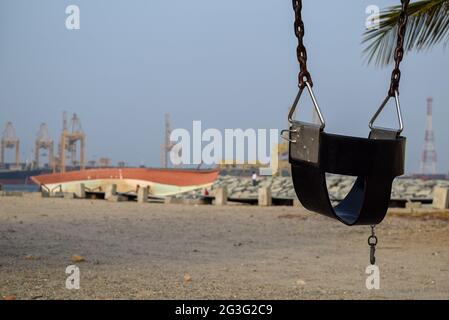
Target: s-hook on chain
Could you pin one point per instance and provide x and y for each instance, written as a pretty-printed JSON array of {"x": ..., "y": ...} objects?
[{"x": 372, "y": 242}]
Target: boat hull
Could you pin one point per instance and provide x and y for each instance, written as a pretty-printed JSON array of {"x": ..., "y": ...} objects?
[{"x": 161, "y": 182}]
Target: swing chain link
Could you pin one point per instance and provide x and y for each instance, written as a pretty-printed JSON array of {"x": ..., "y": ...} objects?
[
  {"x": 304, "y": 76},
  {"x": 372, "y": 242},
  {"x": 301, "y": 51},
  {"x": 399, "y": 51}
]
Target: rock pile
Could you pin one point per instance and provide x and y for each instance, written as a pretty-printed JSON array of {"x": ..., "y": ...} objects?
[{"x": 338, "y": 186}]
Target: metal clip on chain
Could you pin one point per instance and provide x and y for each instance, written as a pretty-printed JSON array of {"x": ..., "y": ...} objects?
[{"x": 372, "y": 242}]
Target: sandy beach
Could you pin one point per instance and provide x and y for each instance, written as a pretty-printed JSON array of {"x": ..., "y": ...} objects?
[{"x": 156, "y": 251}]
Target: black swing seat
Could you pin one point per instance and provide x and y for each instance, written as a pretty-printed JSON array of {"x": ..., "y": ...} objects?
[{"x": 375, "y": 161}]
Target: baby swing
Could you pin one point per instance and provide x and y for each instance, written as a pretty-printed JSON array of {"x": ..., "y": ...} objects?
[{"x": 376, "y": 161}]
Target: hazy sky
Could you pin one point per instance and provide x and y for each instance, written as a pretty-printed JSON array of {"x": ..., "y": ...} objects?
[{"x": 228, "y": 63}]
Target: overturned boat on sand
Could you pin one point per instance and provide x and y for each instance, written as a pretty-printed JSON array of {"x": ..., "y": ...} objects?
[{"x": 161, "y": 182}]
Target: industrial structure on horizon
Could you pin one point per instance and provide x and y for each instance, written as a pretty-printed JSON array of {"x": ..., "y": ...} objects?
[
  {"x": 167, "y": 145},
  {"x": 44, "y": 142},
  {"x": 71, "y": 146},
  {"x": 10, "y": 141},
  {"x": 69, "y": 140},
  {"x": 71, "y": 155},
  {"x": 429, "y": 154}
]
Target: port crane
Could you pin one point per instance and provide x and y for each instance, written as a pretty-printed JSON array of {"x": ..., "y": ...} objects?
[
  {"x": 69, "y": 140},
  {"x": 44, "y": 142},
  {"x": 9, "y": 141},
  {"x": 167, "y": 146}
]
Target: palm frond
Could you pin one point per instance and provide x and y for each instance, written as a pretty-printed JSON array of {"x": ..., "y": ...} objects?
[{"x": 427, "y": 26}]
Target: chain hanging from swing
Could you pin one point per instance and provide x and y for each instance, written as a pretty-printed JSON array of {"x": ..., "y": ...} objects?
[
  {"x": 372, "y": 242},
  {"x": 304, "y": 76},
  {"x": 375, "y": 160}
]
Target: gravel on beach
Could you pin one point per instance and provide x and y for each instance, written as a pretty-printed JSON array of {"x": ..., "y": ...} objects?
[{"x": 156, "y": 251}]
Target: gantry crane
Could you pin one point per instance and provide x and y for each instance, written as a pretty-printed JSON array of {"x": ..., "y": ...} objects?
[
  {"x": 43, "y": 141},
  {"x": 167, "y": 146},
  {"x": 69, "y": 139},
  {"x": 9, "y": 141}
]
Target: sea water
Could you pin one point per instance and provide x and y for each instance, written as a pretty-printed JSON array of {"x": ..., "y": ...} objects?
[{"x": 21, "y": 187}]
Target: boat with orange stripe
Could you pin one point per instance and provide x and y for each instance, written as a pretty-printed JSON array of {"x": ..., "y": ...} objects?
[{"x": 161, "y": 182}]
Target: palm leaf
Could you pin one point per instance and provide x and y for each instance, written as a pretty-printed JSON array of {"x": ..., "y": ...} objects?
[{"x": 427, "y": 26}]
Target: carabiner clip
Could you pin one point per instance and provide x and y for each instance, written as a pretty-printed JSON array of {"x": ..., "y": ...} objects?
[
  {"x": 315, "y": 105},
  {"x": 382, "y": 106}
]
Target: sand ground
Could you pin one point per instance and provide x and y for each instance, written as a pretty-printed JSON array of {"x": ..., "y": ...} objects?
[{"x": 155, "y": 251}]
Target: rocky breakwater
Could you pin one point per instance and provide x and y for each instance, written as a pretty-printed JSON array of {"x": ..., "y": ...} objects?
[{"x": 338, "y": 186}]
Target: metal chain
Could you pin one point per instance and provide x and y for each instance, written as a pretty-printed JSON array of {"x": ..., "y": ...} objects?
[
  {"x": 399, "y": 52},
  {"x": 304, "y": 74},
  {"x": 301, "y": 51},
  {"x": 372, "y": 242}
]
